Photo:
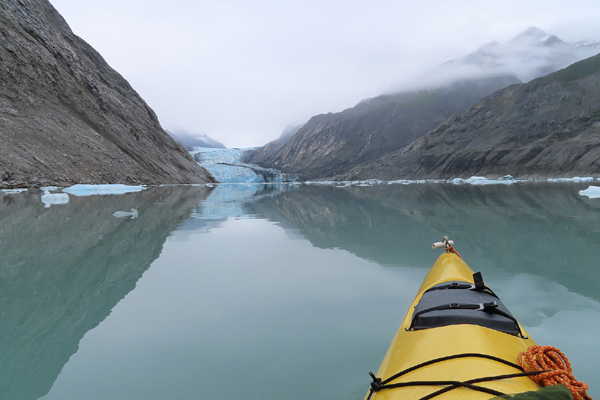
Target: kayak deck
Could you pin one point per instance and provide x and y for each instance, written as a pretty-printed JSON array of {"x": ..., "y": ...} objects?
[{"x": 413, "y": 347}]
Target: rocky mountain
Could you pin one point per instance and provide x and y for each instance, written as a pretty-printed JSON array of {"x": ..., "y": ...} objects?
[
  {"x": 67, "y": 117},
  {"x": 195, "y": 139},
  {"x": 529, "y": 55},
  {"x": 545, "y": 128},
  {"x": 329, "y": 144},
  {"x": 265, "y": 154},
  {"x": 332, "y": 144}
]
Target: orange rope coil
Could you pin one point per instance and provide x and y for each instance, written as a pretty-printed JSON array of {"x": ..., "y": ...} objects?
[
  {"x": 558, "y": 367},
  {"x": 451, "y": 249}
]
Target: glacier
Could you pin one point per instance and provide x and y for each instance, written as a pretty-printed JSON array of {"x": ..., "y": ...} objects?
[{"x": 227, "y": 166}]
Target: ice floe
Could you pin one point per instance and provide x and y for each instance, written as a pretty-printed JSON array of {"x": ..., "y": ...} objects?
[
  {"x": 54, "y": 198},
  {"x": 481, "y": 180},
  {"x": 575, "y": 179},
  {"x": 474, "y": 180},
  {"x": 593, "y": 192},
  {"x": 92, "y": 190},
  {"x": 13, "y": 191},
  {"x": 124, "y": 214}
]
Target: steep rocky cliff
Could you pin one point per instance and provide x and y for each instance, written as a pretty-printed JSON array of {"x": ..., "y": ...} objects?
[
  {"x": 329, "y": 144},
  {"x": 67, "y": 117},
  {"x": 267, "y": 153},
  {"x": 545, "y": 128}
]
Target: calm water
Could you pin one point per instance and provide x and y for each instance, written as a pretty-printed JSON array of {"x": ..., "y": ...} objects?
[{"x": 272, "y": 292}]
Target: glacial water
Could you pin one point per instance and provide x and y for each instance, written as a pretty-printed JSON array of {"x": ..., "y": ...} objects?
[{"x": 272, "y": 291}]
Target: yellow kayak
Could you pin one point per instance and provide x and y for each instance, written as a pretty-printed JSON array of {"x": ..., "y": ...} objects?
[{"x": 457, "y": 341}]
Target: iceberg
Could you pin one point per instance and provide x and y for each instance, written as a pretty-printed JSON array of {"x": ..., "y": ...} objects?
[
  {"x": 54, "y": 198},
  {"x": 92, "y": 190},
  {"x": 124, "y": 214},
  {"x": 593, "y": 192}
]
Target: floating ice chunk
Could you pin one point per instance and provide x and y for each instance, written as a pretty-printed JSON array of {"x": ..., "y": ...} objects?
[
  {"x": 54, "y": 198},
  {"x": 91, "y": 190},
  {"x": 50, "y": 188},
  {"x": 593, "y": 192},
  {"x": 574, "y": 179},
  {"x": 481, "y": 180},
  {"x": 13, "y": 191},
  {"x": 123, "y": 214}
]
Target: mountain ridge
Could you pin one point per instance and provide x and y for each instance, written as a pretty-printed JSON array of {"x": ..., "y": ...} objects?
[
  {"x": 331, "y": 144},
  {"x": 549, "y": 127},
  {"x": 194, "y": 139}
]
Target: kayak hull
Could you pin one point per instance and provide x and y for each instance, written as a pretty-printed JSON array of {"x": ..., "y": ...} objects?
[{"x": 411, "y": 348}]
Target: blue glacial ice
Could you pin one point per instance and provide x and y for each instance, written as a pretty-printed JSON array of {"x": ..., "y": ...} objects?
[
  {"x": 92, "y": 190},
  {"x": 227, "y": 166}
]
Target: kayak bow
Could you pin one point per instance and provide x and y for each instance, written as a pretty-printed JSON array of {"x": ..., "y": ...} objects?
[{"x": 455, "y": 338}]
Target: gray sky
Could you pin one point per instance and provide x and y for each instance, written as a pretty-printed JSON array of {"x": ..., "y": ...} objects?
[{"x": 241, "y": 71}]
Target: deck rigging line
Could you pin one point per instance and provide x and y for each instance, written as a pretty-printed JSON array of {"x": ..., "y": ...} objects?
[{"x": 379, "y": 384}]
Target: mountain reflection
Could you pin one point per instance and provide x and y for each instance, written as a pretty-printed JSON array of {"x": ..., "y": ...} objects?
[
  {"x": 543, "y": 229},
  {"x": 63, "y": 268}
]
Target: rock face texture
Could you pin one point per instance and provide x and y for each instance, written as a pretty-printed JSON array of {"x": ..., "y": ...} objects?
[
  {"x": 267, "y": 153},
  {"x": 67, "y": 117},
  {"x": 330, "y": 144},
  {"x": 548, "y": 127}
]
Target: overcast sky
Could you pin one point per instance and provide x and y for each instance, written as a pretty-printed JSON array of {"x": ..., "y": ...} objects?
[{"x": 241, "y": 71}]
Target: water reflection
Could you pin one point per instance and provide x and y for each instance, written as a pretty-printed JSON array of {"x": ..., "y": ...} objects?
[
  {"x": 307, "y": 283},
  {"x": 62, "y": 270},
  {"x": 543, "y": 229}
]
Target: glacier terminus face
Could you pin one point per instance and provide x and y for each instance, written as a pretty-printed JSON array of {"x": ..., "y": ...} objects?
[{"x": 227, "y": 166}]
